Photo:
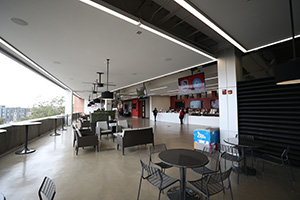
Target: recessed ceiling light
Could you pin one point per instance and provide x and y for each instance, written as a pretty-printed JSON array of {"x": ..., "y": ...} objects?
[
  {"x": 19, "y": 21},
  {"x": 134, "y": 74},
  {"x": 56, "y": 62},
  {"x": 168, "y": 59},
  {"x": 139, "y": 32}
]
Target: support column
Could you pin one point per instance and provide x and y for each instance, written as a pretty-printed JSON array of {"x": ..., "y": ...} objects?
[
  {"x": 107, "y": 105},
  {"x": 69, "y": 107},
  {"x": 229, "y": 72}
]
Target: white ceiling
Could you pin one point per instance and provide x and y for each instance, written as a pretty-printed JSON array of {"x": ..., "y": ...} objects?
[{"x": 72, "y": 40}]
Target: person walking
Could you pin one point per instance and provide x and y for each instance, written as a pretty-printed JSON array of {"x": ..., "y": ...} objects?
[
  {"x": 155, "y": 113},
  {"x": 181, "y": 116}
]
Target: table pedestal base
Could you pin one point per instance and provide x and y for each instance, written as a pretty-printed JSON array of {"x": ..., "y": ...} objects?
[
  {"x": 25, "y": 151},
  {"x": 174, "y": 194}
]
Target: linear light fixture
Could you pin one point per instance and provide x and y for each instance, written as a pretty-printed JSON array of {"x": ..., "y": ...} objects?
[
  {"x": 138, "y": 23},
  {"x": 209, "y": 23},
  {"x": 20, "y": 54},
  {"x": 164, "y": 75},
  {"x": 211, "y": 78},
  {"x": 273, "y": 43},
  {"x": 151, "y": 94},
  {"x": 110, "y": 11},
  {"x": 159, "y": 88},
  {"x": 132, "y": 93},
  {"x": 176, "y": 41},
  {"x": 171, "y": 91}
]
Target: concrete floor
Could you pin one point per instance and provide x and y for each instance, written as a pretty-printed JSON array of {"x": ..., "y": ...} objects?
[{"x": 108, "y": 175}]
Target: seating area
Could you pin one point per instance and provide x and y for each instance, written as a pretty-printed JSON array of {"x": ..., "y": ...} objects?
[{"x": 108, "y": 175}]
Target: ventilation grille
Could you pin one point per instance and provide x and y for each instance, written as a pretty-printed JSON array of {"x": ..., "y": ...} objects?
[{"x": 271, "y": 113}]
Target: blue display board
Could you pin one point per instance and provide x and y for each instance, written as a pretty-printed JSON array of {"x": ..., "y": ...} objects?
[{"x": 207, "y": 136}]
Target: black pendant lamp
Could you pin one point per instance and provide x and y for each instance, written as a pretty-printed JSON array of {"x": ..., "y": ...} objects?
[
  {"x": 289, "y": 72},
  {"x": 107, "y": 95},
  {"x": 97, "y": 100}
]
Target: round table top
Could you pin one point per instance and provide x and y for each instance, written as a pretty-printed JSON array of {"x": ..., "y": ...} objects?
[
  {"x": 243, "y": 142},
  {"x": 26, "y": 123},
  {"x": 2, "y": 197},
  {"x": 3, "y": 131},
  {"x": 183, "y": 158}
]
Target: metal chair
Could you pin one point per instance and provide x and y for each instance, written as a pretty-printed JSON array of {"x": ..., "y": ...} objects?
[
  {"x": 154, "y": 150},
  {"x": 156, "y": 177},
  {"x": 215, "y": 156},
  {"x": 102, "y": 129},
  {"x": 212, "y": 184},
  {"x": 47, "y": 188},
  {"x": 231, "y": 154},
  {"x": 282, "y": 161}
]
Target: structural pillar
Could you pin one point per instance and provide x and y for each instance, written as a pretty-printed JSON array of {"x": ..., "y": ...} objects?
[
  {"x": 107, "y": 105},
  {"x": 69, "y": 106},
  {"x": 229, "y": 72}
]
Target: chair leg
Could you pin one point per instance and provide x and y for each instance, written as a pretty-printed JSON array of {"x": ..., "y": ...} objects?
[
  {"x": 291, "y": 170},
  {"x": 230, "y": 189},
  {"x": 159, "y": 194},
  {"x": 138, "y": 197}
]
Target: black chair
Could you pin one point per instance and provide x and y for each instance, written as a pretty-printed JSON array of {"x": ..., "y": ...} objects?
[
  {"x": 212, "y": 184},
  {"x": 47, "y": 188},
  {"x": 232, "y": 154},
  {"x": 156, "y": 177},
  {"x": 215, "y": 157},
  {"x": 153, "y": 151},
  {"x": 282, "y": 161}
]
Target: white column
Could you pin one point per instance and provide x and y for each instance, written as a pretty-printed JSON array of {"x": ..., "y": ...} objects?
[
  {"x": 69, "y": 106},
  {"x": 107, "y": 105},
  {"x": 229, "y": 71}
]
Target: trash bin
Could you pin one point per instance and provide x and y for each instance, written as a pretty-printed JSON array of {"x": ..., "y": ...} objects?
[{"x": 209, "y": 136}]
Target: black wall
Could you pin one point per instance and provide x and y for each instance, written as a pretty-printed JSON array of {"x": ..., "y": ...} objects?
[{"x": 271, "y": 113}]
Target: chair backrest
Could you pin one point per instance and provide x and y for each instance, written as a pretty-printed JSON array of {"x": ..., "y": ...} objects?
[
  {"x": 47, "y": 188},
  {"x": 284, "y": 154},
  {"x": 156, "y": 149},
  {"x": 218, "y": 177},
  {"x": 123, "y": 123},
  {"x": 229, "y": 149},
  {"x": 151, "y": 171},
  {"x": 213, "y": 154},
  {"x": 102, "y": 125}
]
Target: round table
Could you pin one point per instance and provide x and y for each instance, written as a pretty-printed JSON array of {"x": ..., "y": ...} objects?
[
  {"x": 2, "y": 197},
  {"x": 182, "y": 158},
  {"x": 242, "y": 144},
  {"x": 26, "y": 150}
]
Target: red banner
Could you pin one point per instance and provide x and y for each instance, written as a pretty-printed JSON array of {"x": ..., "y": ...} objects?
[{"x": 191, "y": 84}]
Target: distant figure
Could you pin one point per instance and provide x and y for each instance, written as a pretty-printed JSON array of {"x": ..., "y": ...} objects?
[
  {"x": 181, "y": 115},
  {"x": 155, "y": 113}
]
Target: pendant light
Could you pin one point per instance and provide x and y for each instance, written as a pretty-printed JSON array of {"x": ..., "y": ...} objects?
[
  {"x": 107, "y": 95},
  {"x": 289, "y": 72}
]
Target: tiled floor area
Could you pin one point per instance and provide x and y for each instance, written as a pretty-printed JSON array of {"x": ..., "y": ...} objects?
[{"x": 108, "y": 175}]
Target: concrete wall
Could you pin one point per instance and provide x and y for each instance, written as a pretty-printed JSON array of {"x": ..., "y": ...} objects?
[{"x": 15, "y": 136}]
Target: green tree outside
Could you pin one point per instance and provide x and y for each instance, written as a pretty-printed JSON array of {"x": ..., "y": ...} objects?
[
  {"x": 2, "y": 121},
  {"x": 47, "y": 108}
]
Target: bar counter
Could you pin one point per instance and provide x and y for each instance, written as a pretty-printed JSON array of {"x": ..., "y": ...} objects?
[{"x": 212, "y": 121}]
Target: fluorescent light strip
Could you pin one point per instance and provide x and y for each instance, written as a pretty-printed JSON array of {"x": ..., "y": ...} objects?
[
  {"x": 151, "y": 94},
  {"x": 205, "y": 20},
  {"x": 32, "y": 63},
  {"x": 176, "y": 41},
  {"x": 159, "y": 88},
  {"x": 133, "y": 93},
  {"x": 211, "y": 78},
  {"x": 273, "y": 43},
  {"x": 171, "y": 91},
  {"x": 161, "y": 76},
  {"x": 209, "y": 85},
  {"x": 109, "y": 11}
]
